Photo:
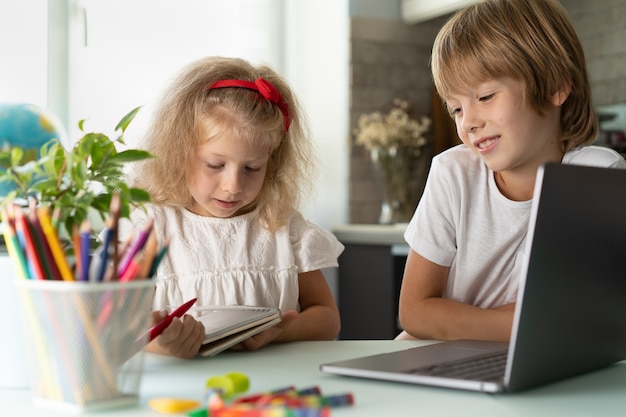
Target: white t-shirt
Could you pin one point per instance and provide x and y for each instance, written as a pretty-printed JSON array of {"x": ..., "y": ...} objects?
[
  {"x": 234, "y": 260},
  {"x": 465, "y": 223}
]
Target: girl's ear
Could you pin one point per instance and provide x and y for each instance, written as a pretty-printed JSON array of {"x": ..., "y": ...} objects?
[{"x": 558, "y": 98}]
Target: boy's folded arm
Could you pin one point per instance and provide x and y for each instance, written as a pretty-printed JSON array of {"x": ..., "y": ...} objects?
[{"x": 425, "y": 314}]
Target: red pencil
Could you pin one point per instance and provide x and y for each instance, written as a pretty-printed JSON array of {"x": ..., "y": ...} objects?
[
  {"x": 23, "y": 231},
  {"x": 162, "y": 325}
]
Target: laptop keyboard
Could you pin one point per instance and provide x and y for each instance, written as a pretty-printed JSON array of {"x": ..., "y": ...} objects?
[{"x": 488, "y": 367}]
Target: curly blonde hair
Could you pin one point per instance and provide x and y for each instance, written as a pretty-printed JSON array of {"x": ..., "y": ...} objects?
[
  {"x": 532, "y": 41},
  {"x": 187, "y": 107}
]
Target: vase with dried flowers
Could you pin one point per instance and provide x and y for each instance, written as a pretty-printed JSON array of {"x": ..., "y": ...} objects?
[{"x": 397, "y": 142}]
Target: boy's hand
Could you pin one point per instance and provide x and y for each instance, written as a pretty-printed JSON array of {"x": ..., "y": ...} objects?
[
  {"x": 182, "y": 338},
  {"x": 269, "y": 335}
]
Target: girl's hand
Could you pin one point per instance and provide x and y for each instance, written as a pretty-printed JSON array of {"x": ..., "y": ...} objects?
[
  {"x": 182, "y": 338},
  {"x": 267, "y": 336}
]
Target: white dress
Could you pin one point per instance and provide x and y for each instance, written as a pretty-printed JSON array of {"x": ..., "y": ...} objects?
[{"x": 234, "y": 260}]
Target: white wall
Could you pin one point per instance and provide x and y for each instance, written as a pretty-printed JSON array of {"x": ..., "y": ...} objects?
[{"x": 317, "y": 64}]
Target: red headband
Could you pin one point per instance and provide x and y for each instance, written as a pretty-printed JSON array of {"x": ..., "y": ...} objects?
[{"x": 264, "y": 88}]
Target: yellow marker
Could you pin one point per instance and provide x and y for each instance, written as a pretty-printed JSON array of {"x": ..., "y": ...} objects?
[
  {"x": 172, "y": 405},
  {"x": 54, "y": 243}
]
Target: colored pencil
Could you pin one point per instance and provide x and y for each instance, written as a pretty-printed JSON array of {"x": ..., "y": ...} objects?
[
  {"x": 133, "y": 268},
  {"x": 25, "y": 236},
  {"x": 43, "y": 249},
  {"x": 54, "y": 243},
  {"x": 77, "y": 256},
  {"x": 13, "y": 246},
  {"x": 114, "y": 212},
  {"x": 101, "y": 259},
  {"x": 85, "y": 238},
  {"x": 159, "y": 257},
  {"x": 162, "y": 325},
  {"x": 150, "y": 253},
  {"x": 136, "y": 246}
]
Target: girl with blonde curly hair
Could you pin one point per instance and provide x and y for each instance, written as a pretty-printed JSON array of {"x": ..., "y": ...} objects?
[{"x": 232, "y": 158}]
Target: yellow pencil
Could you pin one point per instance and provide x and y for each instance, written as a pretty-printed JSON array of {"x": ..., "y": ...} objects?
[{"x": 54, "y": 243}]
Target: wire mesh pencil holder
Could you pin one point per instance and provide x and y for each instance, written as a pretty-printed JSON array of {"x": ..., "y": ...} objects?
[{"x": 85, "y": 341}]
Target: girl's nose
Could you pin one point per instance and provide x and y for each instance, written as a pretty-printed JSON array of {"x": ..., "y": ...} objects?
[{"x": 232, "y": 182}]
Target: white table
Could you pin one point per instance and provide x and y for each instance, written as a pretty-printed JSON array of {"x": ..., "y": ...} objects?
[{"x": 601, "y": 393}]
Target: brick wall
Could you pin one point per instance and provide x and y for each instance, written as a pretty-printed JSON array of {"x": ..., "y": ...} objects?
[
  {"x": 601, "y": 26},
  {"x": 390, "y": 59}
]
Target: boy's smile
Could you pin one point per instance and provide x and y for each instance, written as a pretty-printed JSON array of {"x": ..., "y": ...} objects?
[{"x": 496, "y": 122}]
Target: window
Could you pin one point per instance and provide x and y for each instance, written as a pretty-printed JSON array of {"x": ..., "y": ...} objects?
[
  {"x": 23, "y": 48},
  {"x": 123, "y": 52}
]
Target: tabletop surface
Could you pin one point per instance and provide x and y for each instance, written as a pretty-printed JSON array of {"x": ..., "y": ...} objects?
[{"x": 600, "y": 393}]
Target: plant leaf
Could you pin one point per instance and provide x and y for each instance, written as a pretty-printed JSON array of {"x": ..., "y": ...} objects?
[
  {"x": 139, "y": 195},
  {"x": 130, "y": 155},
  {"x": 123, "y": 124}
]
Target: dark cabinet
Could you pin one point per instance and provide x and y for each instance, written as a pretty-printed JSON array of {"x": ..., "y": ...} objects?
[{"x": 369, "y": 279}]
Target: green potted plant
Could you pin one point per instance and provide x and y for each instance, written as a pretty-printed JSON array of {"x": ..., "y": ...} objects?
[{"x": 76, "y": 183}]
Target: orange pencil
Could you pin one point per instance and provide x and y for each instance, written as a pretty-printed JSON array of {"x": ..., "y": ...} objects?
[
  {"x": 54, "y": 243},
  {"x": 41, "y": 243},
  {"x": 149, "y": 254}
]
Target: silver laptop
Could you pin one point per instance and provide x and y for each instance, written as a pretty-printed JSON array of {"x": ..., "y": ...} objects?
[{"x": 570, "y": 315}]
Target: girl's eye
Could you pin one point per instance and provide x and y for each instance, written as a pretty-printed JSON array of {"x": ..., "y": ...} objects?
[
  {"x": 454, "y": 111},
  {"x": 252, "y": 169},
  {"x": 487, "y": 97},
  {"x": 214, "y": 166}
]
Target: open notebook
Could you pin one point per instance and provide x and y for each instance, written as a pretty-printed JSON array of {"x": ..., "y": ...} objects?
[
  {"x": 570, "y": 315},
  {"x": 226, "y": 326}
]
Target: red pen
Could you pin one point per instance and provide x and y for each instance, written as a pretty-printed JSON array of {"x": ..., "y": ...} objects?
[{"x": 162, "y": 325}]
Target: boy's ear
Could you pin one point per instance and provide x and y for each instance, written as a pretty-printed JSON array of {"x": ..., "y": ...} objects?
[{"x": 558, "y": 98}]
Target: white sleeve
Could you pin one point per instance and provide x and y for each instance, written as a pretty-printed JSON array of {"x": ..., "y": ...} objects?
[{"x": 431, "y": 232}]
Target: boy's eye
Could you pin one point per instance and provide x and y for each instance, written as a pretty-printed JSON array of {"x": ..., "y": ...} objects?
[
  {"x": 454, "y": 111},
  {"x": 487, "y": 97}
]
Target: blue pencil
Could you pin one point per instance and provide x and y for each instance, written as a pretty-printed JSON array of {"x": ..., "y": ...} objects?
[
  {"x": 85, "y": 236},
  {"x": 103, "y": 255}
]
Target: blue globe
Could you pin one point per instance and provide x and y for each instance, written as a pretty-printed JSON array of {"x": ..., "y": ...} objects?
[{"x": 29, "y": 127}]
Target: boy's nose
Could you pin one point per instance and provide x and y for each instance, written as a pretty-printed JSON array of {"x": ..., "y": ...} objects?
[{"x": 471, "y": 120}]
